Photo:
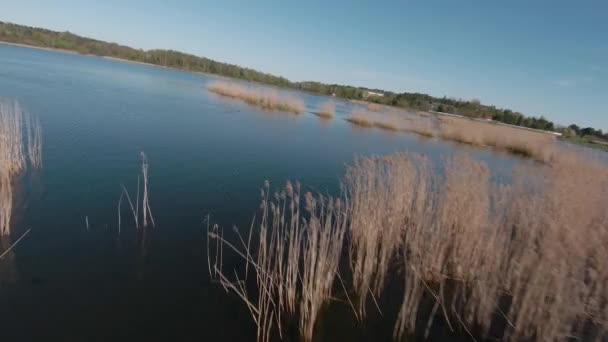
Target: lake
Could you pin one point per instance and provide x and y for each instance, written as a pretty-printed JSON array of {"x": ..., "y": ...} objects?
[{"x": 207, "y": 155}]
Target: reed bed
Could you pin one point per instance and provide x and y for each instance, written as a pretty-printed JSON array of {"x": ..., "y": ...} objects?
[
  {"x": 265, "y": 98},
  {"x": 20, "y": 142},
  {"x": 326, "y": 110},
  {"x": 392, "y": 121},
  {"x": 359, "y": 118},
  {"x": 520, "y": 141},
  {"x": 529, "y": 254},
  {"x": 469, "y": 243}
]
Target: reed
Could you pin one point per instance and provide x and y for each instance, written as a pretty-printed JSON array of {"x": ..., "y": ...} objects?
[
  {"x": 14, "y": 122},
  {"x": 327, "y": 110},
  {"x": 519, "y": 141},
  {"x": 529, "y": 253},
  {"x": 265, "y": 98},
  {"x": 375, "y": 225},
  {"x": 295, "y": 261},
  {"x": 34, "y": 141},
  {"x": 359, "y": 118},
  {"x": 6, "y": 200},
  {"x": 145, "y": 202},
  {"x": 392, "y": 121}
]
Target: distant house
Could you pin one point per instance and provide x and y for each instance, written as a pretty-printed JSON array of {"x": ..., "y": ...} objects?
[{"x": 373, "y": 93}]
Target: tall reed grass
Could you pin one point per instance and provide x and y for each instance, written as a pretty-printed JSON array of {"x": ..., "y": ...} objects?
[
  {"x": 145, "y": 202},
  {"x": 326, "y": 110},
  {"x": 295, "y": 261},
  {"x": 470, "y": 243},
  {"x": 528, "y": 255},
  {"x": 266, "y": 98},
  {"x": 515, "y": 140},
  {"x": 393, "y": 121},
  {"x": 527, "y": 143},
  {"x": 20, "y": 142}
]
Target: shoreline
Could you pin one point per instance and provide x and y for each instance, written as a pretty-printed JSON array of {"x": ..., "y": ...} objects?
[{"x": 71, "y": 52}]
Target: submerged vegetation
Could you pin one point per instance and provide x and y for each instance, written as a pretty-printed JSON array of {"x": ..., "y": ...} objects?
[
  {"x": 526, "y": 256},
  {"x": 360, "y": 119},
  {"x": 20, "y": 143},
  {"x": 261, "y": 97}
]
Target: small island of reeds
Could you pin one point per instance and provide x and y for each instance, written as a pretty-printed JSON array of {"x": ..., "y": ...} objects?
[{"x": 270, "y": 99}]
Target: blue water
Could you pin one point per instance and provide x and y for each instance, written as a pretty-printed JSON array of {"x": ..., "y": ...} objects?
[{"x": 207, "y": 155}]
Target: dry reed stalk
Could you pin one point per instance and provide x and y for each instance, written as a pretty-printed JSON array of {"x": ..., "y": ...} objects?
[
  {"x": 327, "y": 110},
  {"x": 296, "y": 260},
  {"x": 555, "y": 272},
  {"x": 11, "y": 137},
  {"x": 6, "y": 200},
  {"x": 13, "y": 123},
  {"x": 145, "y": 202},
  {"x": 133, "y": 208},
  {"x": 263, "y": 307},
  {"x": 392, "y": 121},
  {"x": 322, "y": 250},
  {"x": 122, "y": 194},
  {"x": 371, "y": 249},
  {"x": 265, "y": 98},
  {"x": 34, "y": 141},
  {"x": 515, "y": 140}
]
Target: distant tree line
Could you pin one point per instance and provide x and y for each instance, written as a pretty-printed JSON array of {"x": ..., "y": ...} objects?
[
  {"x": 67, "y": 41},
  {"x": 574, "y": 130}
]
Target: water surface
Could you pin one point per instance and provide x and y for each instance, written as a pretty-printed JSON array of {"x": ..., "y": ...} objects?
[{"x": 207, "y": 155}]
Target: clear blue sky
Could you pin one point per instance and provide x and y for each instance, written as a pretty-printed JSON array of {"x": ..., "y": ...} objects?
[{"x": 538, "y": 57}]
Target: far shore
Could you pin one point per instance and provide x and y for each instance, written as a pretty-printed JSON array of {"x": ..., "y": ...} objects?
[
  {"x": 43, "y": 48},
  {"x": 107, "y": 57}
]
